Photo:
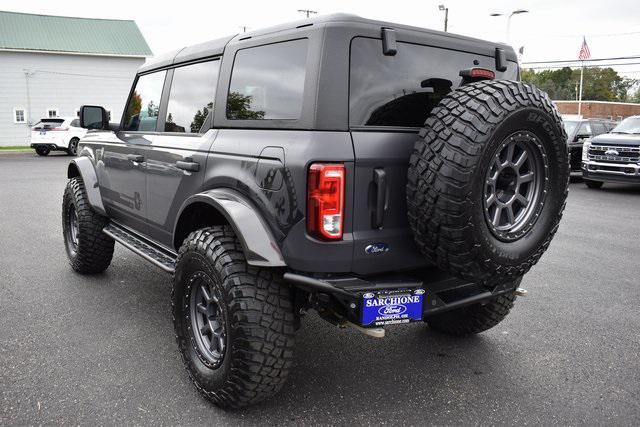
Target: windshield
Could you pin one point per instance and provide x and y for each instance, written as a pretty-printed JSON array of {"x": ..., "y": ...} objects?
[
  {"x": 628, "y": 125},
  {"x": 570, "y": 126}
]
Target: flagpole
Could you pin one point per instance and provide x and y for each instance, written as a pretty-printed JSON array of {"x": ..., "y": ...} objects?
[{"x": 580, "y": 96}]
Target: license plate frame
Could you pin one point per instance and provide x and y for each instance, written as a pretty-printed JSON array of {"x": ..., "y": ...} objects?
[{"x": 391, "y": 306}]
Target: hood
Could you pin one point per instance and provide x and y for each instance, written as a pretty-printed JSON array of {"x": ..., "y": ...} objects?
[{"x": 616, "y": 139}]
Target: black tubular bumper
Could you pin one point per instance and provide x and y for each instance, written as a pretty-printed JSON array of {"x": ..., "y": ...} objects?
[{"x": 442, "y": 292}]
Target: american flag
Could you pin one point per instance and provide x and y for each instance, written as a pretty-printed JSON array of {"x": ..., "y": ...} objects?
[{"x": 584, "y": 50}]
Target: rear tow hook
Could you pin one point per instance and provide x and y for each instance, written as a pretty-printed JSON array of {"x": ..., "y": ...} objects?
[{"x": 521, "y": 292}]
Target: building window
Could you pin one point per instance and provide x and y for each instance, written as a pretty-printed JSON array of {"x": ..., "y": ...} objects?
[
  {"x": 52, "y": 113},
  {"x": 19, "y": 115}
]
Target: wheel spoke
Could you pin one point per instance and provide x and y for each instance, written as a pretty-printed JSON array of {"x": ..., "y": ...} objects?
[
  {"x": 510, "y": 152},
  {"x": 510, "y": 216},
  {"x": 204, "y": 330},
  {"x": 201, "y": 308},
  {"x": 523, "y": 158},
  {"x": 490, "y": 200},
  {"x": 496, "y": 216},
  {"x": 524, "y": 202},
  {"x": 205, "y": 293},
  {"x": 527, "y": 177}
]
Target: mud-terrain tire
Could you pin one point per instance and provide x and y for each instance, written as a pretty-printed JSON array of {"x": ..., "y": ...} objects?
[
  {"x": 471, "y": 148},
  {"x": 247, "y": 310},
  {"x": 89, "y": 250},
  {"x": 593, "y": 184},
  {"x": 472, "y": 319},
  {"x": 43, "y": 150}
]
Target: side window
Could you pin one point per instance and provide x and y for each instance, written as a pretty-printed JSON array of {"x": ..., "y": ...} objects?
[
  {"x": 142, "y": 111},
  {"x": 75, "y": 123},
  {"x": 598, "y": 128},
  {"x": 191, "y": 98},
  {"x": 584, "y": 129},
  {"x": 267, "y": 82}
]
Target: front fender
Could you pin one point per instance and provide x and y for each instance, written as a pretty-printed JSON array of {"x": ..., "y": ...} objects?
[
  {"x": 83, "y": 167},
  {"x": 260, "y": 247}
]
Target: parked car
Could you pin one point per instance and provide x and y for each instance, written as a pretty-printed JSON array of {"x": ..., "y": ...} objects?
[
  {"x": 613, "y": 157},
  {"x": 61, "y": 134},
  {"x": 376, "y": 173},
  {"x": 580, "y": 129}
]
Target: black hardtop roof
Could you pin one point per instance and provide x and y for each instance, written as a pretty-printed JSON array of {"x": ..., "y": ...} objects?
[{"x": 217, "y": 46}]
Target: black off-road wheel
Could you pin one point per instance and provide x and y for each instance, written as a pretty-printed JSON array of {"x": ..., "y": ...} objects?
[
  {"x": 487, "y": 181},
  {"x": 89, "y": 250},
  {"x": 234, "y": 323},
  {"x": 593, "y": 184},
  {"x": 43, "y": 150},
  {"x": 472, "y": 319}
]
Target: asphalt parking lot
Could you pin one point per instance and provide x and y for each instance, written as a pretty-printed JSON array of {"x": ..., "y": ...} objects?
[{"x": 100, "y": 349}]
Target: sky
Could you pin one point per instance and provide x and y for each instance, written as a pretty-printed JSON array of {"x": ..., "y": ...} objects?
[{"x": 551, "y": 30}]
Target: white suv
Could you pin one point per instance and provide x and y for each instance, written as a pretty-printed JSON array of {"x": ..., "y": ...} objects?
[{"x": 59, "y": 133}]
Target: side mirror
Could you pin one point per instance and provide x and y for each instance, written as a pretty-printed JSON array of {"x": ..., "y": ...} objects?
[{"x": 94, "y": 117}]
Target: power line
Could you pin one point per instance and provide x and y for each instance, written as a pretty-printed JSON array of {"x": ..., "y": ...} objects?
[
  {"x": 586, "y": 60},
  {"x": 547, "y": 67}
]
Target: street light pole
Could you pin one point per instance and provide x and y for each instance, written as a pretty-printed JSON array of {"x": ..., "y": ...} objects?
[
  {"x": 446, "y": 15},
  {"x": 308, "y": 12},
  {"x": 515, "y": 12}
]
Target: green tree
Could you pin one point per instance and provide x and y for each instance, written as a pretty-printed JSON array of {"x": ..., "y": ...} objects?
[
  {"x": 200, "y": 117},
  {"x": 239, "y": 107},
  {"x": 599, "y": 84}
]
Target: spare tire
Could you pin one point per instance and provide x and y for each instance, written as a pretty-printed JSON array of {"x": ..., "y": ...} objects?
[{"x": 487, "y": 180}]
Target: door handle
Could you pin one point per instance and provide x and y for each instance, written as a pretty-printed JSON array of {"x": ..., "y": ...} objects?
[
  {"x": 136, "y": 158},
  {"x": 188, "y": 166},
  {"x": 380, "y": 179}
]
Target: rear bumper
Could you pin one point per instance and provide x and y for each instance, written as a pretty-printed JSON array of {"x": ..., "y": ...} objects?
[
  {"x": 627, "y": 173},
  {"x": 442, "y": 292},
  {"x": 50, "y": 145}
]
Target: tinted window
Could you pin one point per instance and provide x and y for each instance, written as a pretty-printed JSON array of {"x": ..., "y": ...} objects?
[
  {"x": 191, "y": 98},
  {"x": 598, "y": 128},
  {"x": 401, "y": 90},
  {"x": 142, "y": 111},
  {"x": 584, "y": 129},
  {"x": 268, "y": 82},
  {"x": 75, "y": 123}
]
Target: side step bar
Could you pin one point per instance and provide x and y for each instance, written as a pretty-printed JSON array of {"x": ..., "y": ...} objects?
[{"x": 147, "y": 250}]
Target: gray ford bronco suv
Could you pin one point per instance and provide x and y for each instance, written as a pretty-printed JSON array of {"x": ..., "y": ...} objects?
[{"x": 376, "y": 173}]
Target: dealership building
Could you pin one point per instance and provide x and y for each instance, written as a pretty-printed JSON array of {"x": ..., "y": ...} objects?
[{"x": 51, "y": 65}]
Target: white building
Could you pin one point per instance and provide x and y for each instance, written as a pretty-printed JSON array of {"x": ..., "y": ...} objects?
[{"x": 50, "y": 65}]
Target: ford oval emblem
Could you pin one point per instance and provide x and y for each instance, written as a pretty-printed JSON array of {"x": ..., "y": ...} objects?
[
  {"x": 377, "y": 248},
  {"x": 388, "y": 310}
]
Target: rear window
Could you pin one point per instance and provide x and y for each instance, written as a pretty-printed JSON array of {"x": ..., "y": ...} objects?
[
  {"x": 401, "y": 90},
  {"x": 268, "y": 82},
  {"x": 48, "y": 124}
]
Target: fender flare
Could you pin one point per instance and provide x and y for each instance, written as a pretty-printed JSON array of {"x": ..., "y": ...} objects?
[
  {"x": 83, "y": 167},
  {"x": 260, "y": 247}
]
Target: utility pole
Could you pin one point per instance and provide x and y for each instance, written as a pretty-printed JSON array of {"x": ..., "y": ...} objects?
[
  {"x": 244, "y": 28},
  {"x": 445, "y": 9},
  {"x": 308, "y": 12}
]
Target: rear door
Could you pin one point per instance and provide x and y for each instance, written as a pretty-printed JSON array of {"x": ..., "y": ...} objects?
[
  {"x": 390, "y": 98},
  {"x": 177, "y": 154}
]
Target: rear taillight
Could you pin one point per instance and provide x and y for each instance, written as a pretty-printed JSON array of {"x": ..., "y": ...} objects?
[
  {"x": 325, "y": 201},
  {"x": 60, "y": 129}
]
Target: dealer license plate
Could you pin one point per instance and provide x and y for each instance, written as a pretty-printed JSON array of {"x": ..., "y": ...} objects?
[{"x": 392, "y": 306}]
